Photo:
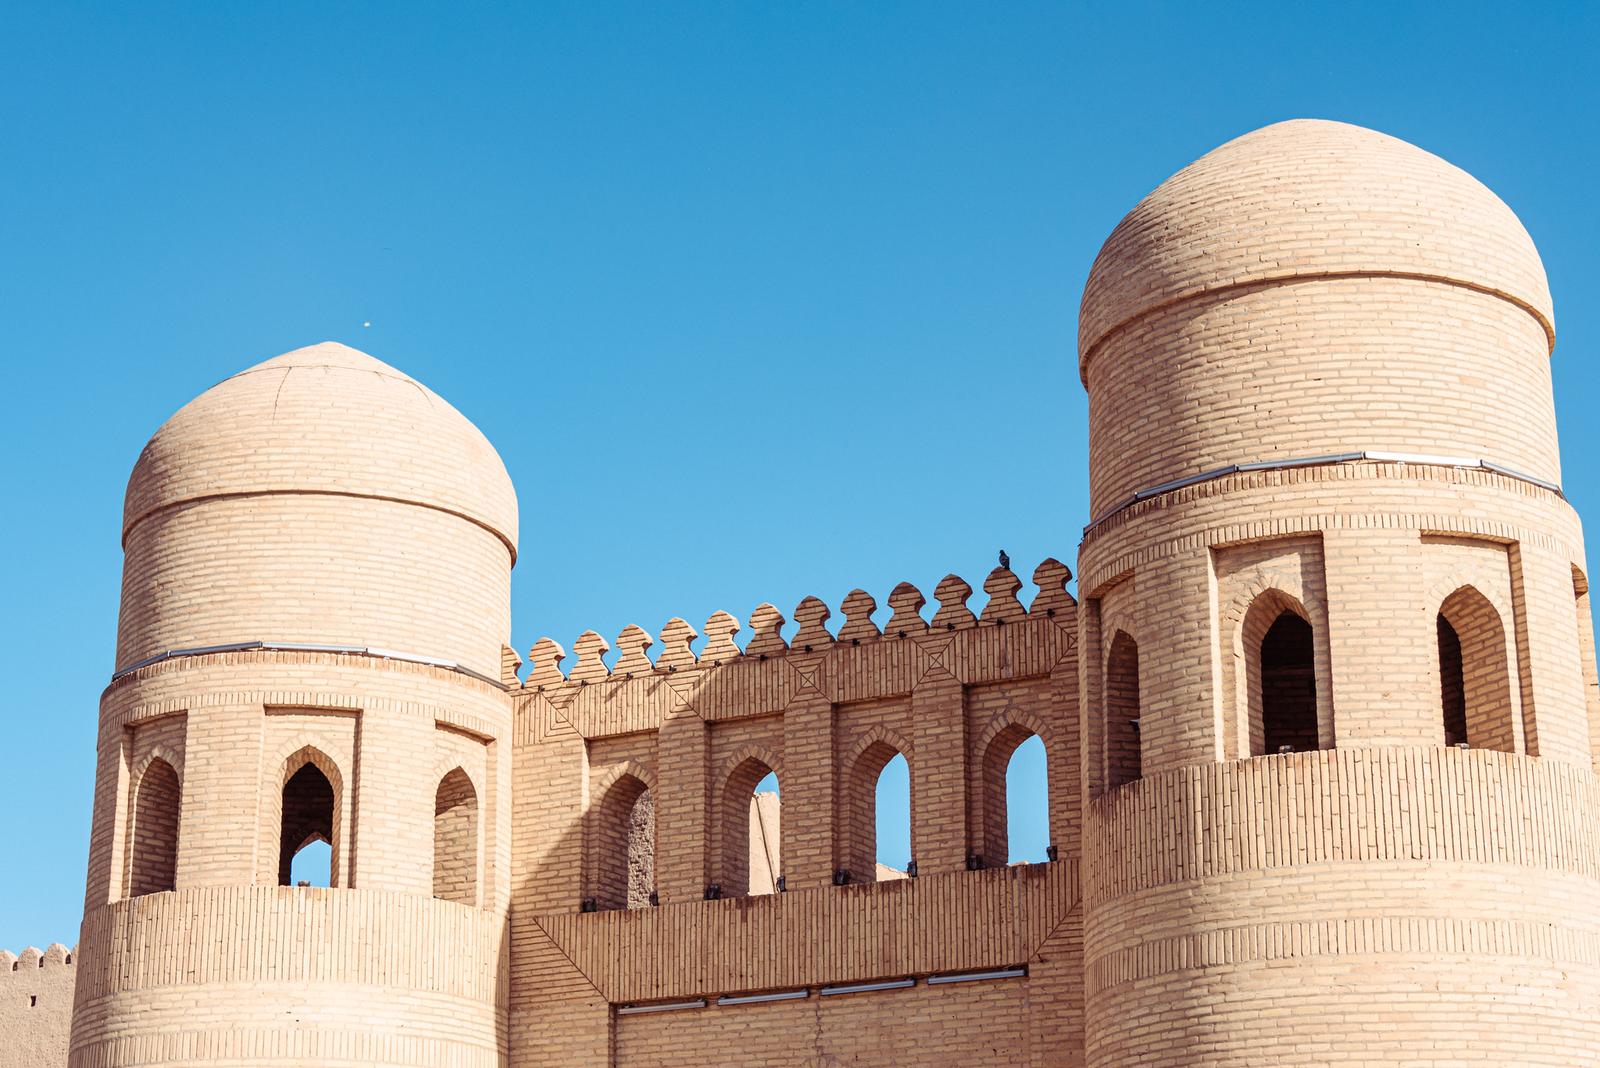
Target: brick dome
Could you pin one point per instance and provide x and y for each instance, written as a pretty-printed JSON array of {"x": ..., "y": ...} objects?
[
  {"x": 1309, "y": 198},
  {"x": 324, "y": 419}
]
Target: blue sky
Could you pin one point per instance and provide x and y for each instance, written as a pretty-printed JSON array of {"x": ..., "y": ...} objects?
[{"x": 757, "y": 301}]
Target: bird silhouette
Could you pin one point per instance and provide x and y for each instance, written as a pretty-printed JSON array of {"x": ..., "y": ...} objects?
[{"x": 1005, "y": 561}]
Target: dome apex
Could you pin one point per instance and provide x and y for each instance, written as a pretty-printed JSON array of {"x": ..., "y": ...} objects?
[
  {"x": 326, "y": 419},
  {"x": 1309, "y": 198}
]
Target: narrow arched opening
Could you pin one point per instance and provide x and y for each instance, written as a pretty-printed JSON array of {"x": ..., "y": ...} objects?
[
  {"x": 751, "y": 858},
  {"x": 157, "y": 802},
  {"x": 623, "y": 846},
  {"x": 1452, "y": 685},
  {"x": 878, "y": 815},
  {"x": 1285, "y": 681},
  {"x": 1475, "y": 674},
  {"x": 766, "y": 837},
  {"x": 1016, "y": 799},
  {"x": 455, "y": 839},
  {"x": 308, "y": 818},
  {"x": 642, "y": 851},
  {"x": 1124, "y": 761}
]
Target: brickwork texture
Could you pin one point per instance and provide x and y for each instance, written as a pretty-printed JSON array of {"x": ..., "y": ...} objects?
[{"x": 1321, "y": 726}]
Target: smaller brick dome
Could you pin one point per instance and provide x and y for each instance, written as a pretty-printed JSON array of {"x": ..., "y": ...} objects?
[
  {"x": 1309, "y": 198},
  {"x": 324, "y": 419}
]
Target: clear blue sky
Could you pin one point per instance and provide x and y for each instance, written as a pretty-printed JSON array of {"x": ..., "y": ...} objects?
[{"x": 756, "y": 300}]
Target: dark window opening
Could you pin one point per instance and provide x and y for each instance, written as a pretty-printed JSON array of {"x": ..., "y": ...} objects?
[
  {"x": 1123, "y": 759},
  {"x": 307, "y": 819},
  {"x": 1288, "y": 686},
  {"x": 1452, "y": 684}
]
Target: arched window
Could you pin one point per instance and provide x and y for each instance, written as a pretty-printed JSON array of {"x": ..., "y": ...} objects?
[
  {"x": 1123, "y": 761},
  {"x": 1283, "y": 685},
  {"x": 766, "y": 836},
  {"x": 751, "y": 862},
  {"x": 642, "y": 851},
  {"x": 1475, "y": 673},
  {"x": 309, "y": 810},
  {"x": 154, "y": 823},
  {"x": 623, "y": 845},
  {"x": 891, "y": 799},
  {"x": 1452, "y": 685},
  {"x": 455, "y": 839},
  {"x": 1015, "y": 798},
  {"x": 877, "y": 815},
  {"x": 1028, "y": 803}
]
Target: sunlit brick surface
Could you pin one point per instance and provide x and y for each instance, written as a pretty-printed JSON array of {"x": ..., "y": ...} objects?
[
  {"x": 1265, "y": 853},
  {"x": 1314, "y": 289}
]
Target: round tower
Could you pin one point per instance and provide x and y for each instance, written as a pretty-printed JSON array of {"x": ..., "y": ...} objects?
[
  {"x": 1337, "y": 663},
  {"x": 316, "y": 595}
]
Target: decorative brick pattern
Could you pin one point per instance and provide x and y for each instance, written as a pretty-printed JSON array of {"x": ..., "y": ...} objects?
[{"x": 521, "y": 863}]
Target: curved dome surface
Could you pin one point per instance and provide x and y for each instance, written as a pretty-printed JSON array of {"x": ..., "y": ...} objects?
[
  {"x": 324, "y": 419},
  {"x": 1309, "y": 198}
]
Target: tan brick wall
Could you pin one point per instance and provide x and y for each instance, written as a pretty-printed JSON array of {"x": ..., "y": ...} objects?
[
  {"x": 232, "y": 966},
  {"x": 292, "y": 976},
  {"x": 1434, "y": 901},
  {"x": 995, "y": 1023},
  {"x": 1314, "y": 289},
  {"x": 36, "y": 1006},
  {"x": 1373, "y": 897},
  {"x": 700, "y": 731}
]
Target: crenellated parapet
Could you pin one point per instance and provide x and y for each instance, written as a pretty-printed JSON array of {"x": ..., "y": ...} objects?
[
  {"x": 858, "y": 660},
  {"x": 824, "y": 700},
  {"x": 36, "y": 992},
  {"x": 17, "y": 967}
]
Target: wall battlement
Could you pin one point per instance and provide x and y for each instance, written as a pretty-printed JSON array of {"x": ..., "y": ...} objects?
[
  {"x": 36, "y": 990},
  {"x": 1319, "y": 733},
  {"x": 55, "y": 955},
  {"x": 764, "y": 637}
]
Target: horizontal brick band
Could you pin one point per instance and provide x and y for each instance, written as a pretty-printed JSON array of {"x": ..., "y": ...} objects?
[
  {"x": 306, "y": 647},
  {"x": 1303, "y": 462},
  {"x": 342, "y": 1024},
  {"x": 1366, "y": 936},
  {"x": 290, "y": 935},
  {"x": 954, "y": 922},
  {"x": 1417, "y": 803}
]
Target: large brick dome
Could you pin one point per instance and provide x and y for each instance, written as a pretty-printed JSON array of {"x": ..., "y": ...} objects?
[
  {"x": 1313, "y": 289},
  {"x": 1306, "y": 198},
  {"x": 325, "y": 418},
  {"x": 321, "y": 497}
]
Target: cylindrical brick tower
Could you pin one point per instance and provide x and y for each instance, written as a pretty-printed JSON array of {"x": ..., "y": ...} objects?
[
  {"x": 1337, "y": 671},
  {"x": 315, "y": 599}
]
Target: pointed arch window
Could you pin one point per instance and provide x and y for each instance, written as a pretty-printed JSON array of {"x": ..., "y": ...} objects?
[
  {"x": 455, "y": 839},
  {"x": 876, "y": 816},
  {"x": 751, "y": 830},
  {"x": 1015, "y": 798},
  {"x": 1279, "y": 688},
  {"x": 1476, "y": 704},
  {"x": 622, "y": 845},
  {"x": 153, "y": 841},
  {"x": 309, "y": 823},
  {"x": 1124, "y": 759}
]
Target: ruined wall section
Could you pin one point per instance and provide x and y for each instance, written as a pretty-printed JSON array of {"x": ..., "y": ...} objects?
[{"x": 36, "y": 1006}]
